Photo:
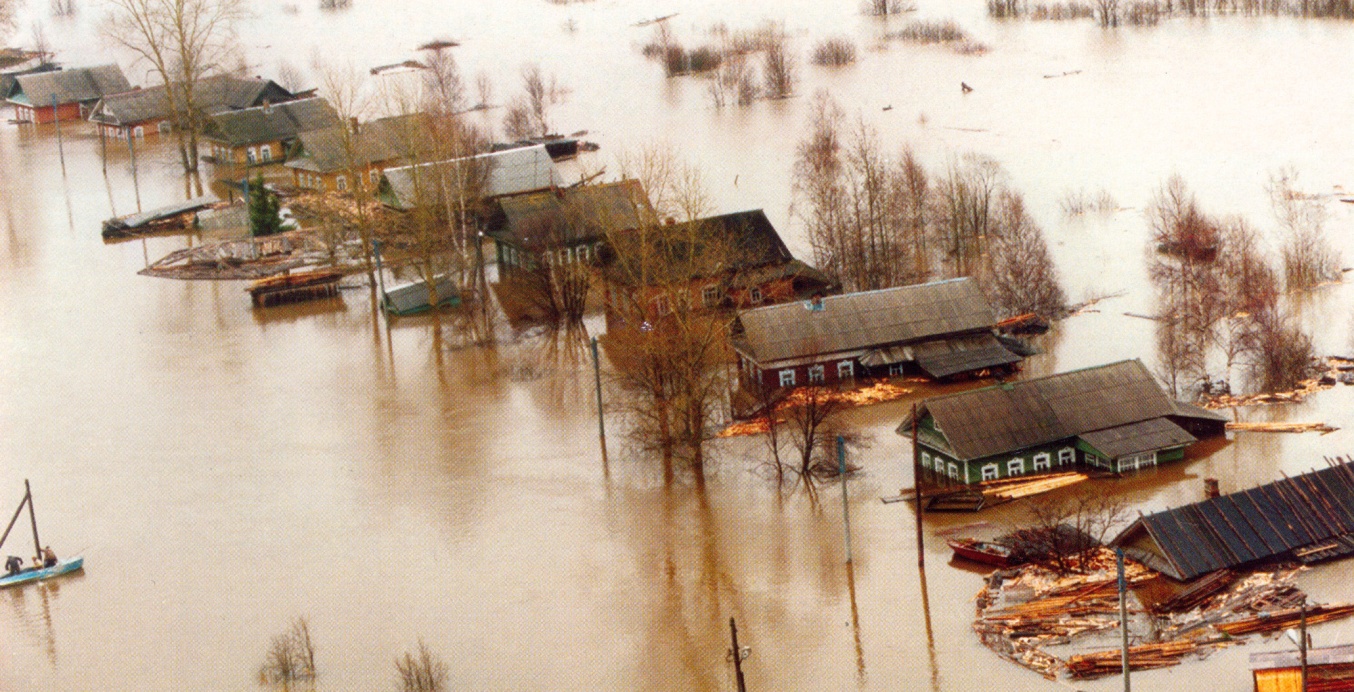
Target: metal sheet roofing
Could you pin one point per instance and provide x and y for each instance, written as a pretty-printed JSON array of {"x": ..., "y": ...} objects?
[
  {"x": 510, "y": 172},
  {"x": 68, "y": 86},
  {"x": 1262, "y": 523},
  {"x": 412, "y": 297},
  {"x": 871, "y": 319},
  {"x": 270, "y": 123},
  {"x": 1135, "y": 438}
]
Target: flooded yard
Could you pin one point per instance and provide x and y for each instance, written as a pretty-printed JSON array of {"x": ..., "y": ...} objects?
[{"x": 226, "y": 470}]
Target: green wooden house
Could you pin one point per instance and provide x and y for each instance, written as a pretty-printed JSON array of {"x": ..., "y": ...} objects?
[{"x": 1114, "y": 417}]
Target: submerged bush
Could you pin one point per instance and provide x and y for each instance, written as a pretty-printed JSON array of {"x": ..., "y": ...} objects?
[
  {"x": 834, "y": 52},
  {"x": 931, "y": 31}
]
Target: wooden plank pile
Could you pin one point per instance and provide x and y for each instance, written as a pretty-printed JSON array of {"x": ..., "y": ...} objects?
[
  {"x": 1023, "y": 611},
  {"x": 1334, "y": 366},
  {"x": 1281, "y": 427},
  {"x": 1008, "y": 489}
]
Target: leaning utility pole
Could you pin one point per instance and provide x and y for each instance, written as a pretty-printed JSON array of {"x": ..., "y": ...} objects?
[
  {"x": 601, "y": 419},
  {"x": 846, "y": 511},
  {"x": 737, "y": 655},
  {"x": 1123, "y": 614}
]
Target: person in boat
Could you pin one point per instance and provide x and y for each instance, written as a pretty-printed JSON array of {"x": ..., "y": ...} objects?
[
  {"x": 14, "y": 565},
  {"x": 48, "y": 557}
]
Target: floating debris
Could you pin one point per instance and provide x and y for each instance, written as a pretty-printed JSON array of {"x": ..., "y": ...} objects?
[
  {"x": 1335, "y": 371},
  {"x": 1282, "y": 427},
  {"x": 877, "y": 393}
]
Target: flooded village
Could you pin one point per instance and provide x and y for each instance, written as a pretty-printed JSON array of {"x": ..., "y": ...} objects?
[{"x": 549, "y": 344}]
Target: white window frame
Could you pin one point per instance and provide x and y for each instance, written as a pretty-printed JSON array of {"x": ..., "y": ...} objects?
[
  {"x": 954, "y": 470},
  {"x": 896, "y": 370},
  {"x": 1096, "y": 461},
  {"x": 710, "y": 296},
  {"x": 755, "y": 295},
  {"x": 846, "y": 370},
  {"x": 661, "y": 306},
  {"x": 341, "y": 183},
  {"x": 266, "y": 153},
  {"x": 1066, "y": 456},
  {"x": 787, "y": 377},
  {"x": 1043, "y": 461},
  {"x": 817, "y": 374},
  {"x": 139, "y": 132},
  {"x": 250, "y": 155},
  {"x": 164, "y": 127},
  {"x": 991, "y": 471},
  {"x": 1015, "y": 467},
  {"x": 926, "y": 460}
]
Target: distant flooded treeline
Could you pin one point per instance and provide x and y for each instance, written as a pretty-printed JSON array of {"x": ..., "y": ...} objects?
[{"x": 1150, "y": 12}]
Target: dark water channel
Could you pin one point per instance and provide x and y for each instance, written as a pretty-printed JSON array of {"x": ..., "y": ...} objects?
[{"x": 227, "y": 470}]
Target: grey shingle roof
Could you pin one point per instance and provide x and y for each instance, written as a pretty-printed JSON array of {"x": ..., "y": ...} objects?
[
  {"x": 1016, "y": 415},
  {"x": 69, "y": 86},
  {"x": 384, "y": 140},
  {"x": 212, "y": 94},
  {"x": 509, "y": 172},
  {"x": 574, "y": 215},
  {"x": 269, "y": 123},
  {"x": 1266, "y": 522},
  {"x": 871, "y": 319},
  {"x": 1135, "y": 438}
]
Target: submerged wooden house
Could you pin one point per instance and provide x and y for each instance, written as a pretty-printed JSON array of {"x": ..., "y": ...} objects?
[
  {"x": 147, "y": 111},
  {"x": 44, "y": 97},
  {"x": 564, "y": 226},
  {"x": 1307, "y": 518},
  {"x": 1329, "y": 669},
  {"x": 492, "y": 175},
  {"x": 939, "y": 329},
  {"x": 1114, "y": 417},
  {"x": 330, "y": 159},
  {"x": 267, "y": 133}
]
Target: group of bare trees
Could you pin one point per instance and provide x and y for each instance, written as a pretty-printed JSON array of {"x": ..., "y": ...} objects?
[
  {"x": 875, "y": 221},
  {"x": 1222, "y": 304},
  {"x": 730, "y": 62},
  {"x": 183, "y": 41},
  {"x": 290, "y": 661}
]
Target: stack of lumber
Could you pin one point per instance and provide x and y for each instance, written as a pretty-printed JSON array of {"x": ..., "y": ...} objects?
[
  {"x": 1285, "y": 619},
  {"x": 1015, "y": 488},
  {"x": 877, "y": 393},
  {"x": 1197, "y": 593},
  {"x": 1142, "y": 657},
  {"x": 1282, "y": 427}
]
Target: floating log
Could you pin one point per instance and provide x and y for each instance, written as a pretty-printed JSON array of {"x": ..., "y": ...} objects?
[{"x": 1282, "y": 427}]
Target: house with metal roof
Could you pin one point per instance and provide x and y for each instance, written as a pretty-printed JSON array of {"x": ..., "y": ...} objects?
[
  {"x": 45, "y": 97},
  {"x": 500, "y": 174},
  {"x": 1309, "y": 518},
  {"x": 328, "y": 159},
  {"x": 141, "y": 111},
  {"x": 1114, "y": 417},
  {"x": 940, "y": 329},
  {"x": 265, "y": 134},
  {"x": 727, "y": 261}
]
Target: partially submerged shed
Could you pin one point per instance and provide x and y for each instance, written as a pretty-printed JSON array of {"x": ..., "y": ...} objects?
[
  {"x": 412, "y": 298},
  {"x": 1308, "y": 518},
  {"x": 1115, "y": 417}
]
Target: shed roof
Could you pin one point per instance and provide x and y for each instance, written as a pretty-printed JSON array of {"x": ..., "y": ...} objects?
[
  {"x": 272, "y": 122},
  {"x": 410, "y": 298},
  {"x": 572, "y": 215},
  {"x": 212, "y": 94},
  {"x": 1262, "y": 523},
  {"x": 1292, "y": 658},
  {"x": 1149, "y": 435},
  {"x": 742, "y": 242},
  {"x": 1016, "y": 415},
  {"x": 871, "y": 319},
  {"x": 510, "y": 172},
  {"x": 68, "y": 86}
]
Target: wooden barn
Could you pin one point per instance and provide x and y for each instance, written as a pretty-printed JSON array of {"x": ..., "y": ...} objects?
[
  {"x": 1114, "y": 417},
  {"x": 939, "y": 329},
  {"x": 1306, "y": 518}
]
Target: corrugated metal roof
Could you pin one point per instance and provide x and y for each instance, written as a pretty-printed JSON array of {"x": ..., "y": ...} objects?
[
  {"x": 1135, "y": 438},
  {"x": 1262, "y": 523},
  {"x": 510, "y": 172},
  {"x": 872, "y": 319},
  {"x": 211, "y": 94},
  {"x": 282, "y": 121},
  {"x": 69, "y": 86}
]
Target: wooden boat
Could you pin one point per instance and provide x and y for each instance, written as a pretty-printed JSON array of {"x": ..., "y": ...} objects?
[
  {"x": 41, "y": 573},
  {"x": 986, "y": 552},
  {"x": 35, "y": 573}
]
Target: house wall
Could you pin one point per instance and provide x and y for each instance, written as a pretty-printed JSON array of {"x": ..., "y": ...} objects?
[
  {"x": 971, "y": 471},
  {"x": 772, "y": 292},
  {"x": 239, "y": 156},
  {"x": 149, "y": 128},
  {"x": 770, "y": 376},
  {"x": 43, "y": 114},
  {"x": 329, "y": 182}
]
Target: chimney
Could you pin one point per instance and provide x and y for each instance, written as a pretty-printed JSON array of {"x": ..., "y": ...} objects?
[
  {"x": 1211, "y": 488},
  {"x": 669, "y": 221},
  {"x": 267, "y": 106}
]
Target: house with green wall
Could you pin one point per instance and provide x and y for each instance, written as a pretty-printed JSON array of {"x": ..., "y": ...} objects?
[{"x": 1113, "y": 417}]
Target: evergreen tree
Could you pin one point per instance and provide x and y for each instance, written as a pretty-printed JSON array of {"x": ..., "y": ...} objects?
[{"x": 263, "y": 209}]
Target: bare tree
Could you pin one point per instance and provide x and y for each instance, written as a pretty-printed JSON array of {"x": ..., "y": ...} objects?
[
  {"x": 778, "y": 66},
  {"x": 183, "y": 41},
  {"x": 291, "y": 655},
  {"x": 1107, "y": 13},
  {"x": 1279, "y": 354},
  {"x": 1063, "y": 530},
  {"x": 9, "y": 10},
  {"x": 1308, "y": 258},
  {"x": 422, "y": 671},
  {"x": 966, "y": 195},
  {"x": 1020, "y": 276},
  {"x": 529, "y": 115},
  {"x": 809, "y": 412},
  {"x": 290, "y": 77}
]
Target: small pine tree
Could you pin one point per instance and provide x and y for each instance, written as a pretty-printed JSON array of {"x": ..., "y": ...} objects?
[{"x": 264, "y": 218}]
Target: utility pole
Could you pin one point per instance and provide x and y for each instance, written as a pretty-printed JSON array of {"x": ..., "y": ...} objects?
[
  {"x": 601, "y": 418},
  {"x": 136, "y": 185},
  {"x": 60, "y": 147},
  {"x": 916, "y": 488},
  {"x": 1302, "y": 641},
  {"x": 1123, "y": 613},
  {"x": 380, "y": 273},
  {"x": 737, "y": 655},
  {"x": 846, "y": 511}
]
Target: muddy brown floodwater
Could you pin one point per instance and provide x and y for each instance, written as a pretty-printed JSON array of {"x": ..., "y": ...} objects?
[{"x": 226, "y": 470}]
